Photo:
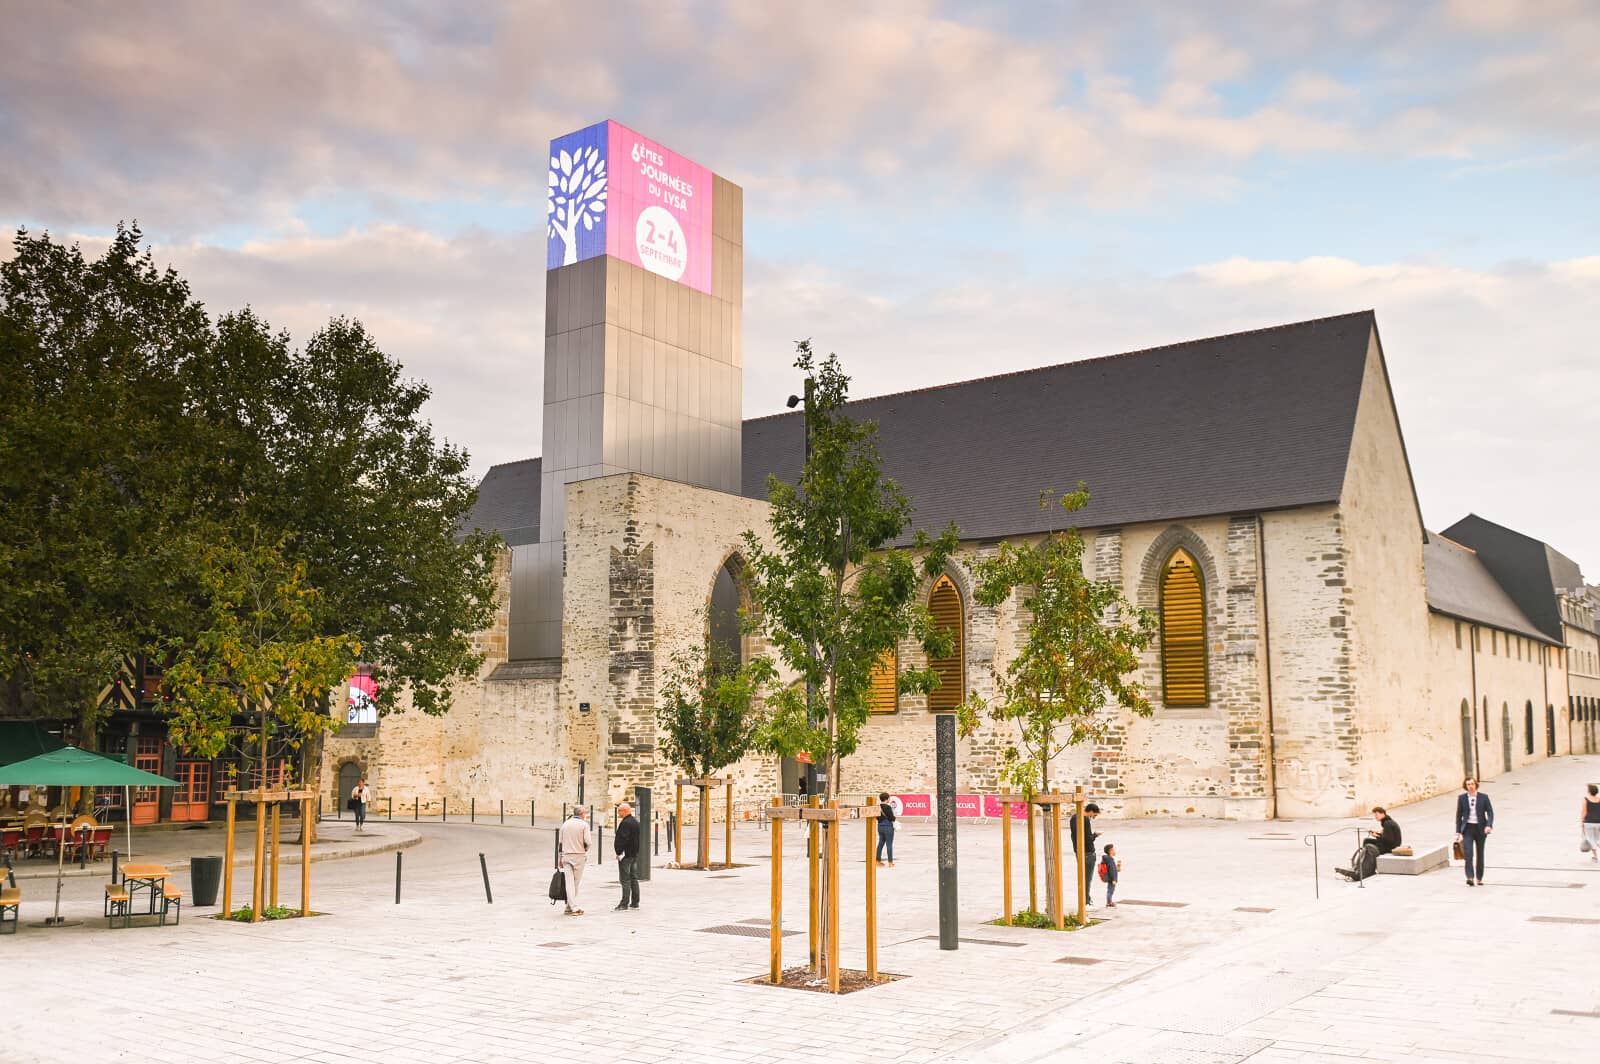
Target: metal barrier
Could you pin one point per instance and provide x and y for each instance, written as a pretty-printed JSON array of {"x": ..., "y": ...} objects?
[{"x": 1316, "y": 864}]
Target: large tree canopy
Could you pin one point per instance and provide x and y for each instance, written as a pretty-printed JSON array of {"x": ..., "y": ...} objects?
[{"x": 136, "y": 434}]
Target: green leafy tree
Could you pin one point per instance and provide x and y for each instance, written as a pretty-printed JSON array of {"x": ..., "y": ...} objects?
[
  {"x": 710, "y": 712},
  {"x": 1078, "y": 659},
  {"x": 710, "y": 716},
  {"x": 135, "y": 434},
  {"x": 259, "y": 649},
  {"x": 832, "y": 593},
  {"x": 99, "y": 469}
]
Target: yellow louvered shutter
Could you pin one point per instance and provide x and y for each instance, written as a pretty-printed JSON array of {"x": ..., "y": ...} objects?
[
  {"x": 1183, "y": 633},
  {"x": 883, "y": 696},
  {"x": 945, "y": 605}
]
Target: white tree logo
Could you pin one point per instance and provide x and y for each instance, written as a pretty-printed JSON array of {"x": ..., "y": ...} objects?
[{"x": 577, "y": 196}]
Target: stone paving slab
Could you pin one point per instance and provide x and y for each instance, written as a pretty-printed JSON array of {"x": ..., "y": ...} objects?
[{"x": 1406, "y": 969}]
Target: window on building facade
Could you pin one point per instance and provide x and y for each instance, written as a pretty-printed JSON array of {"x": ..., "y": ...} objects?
[
  {"x": 1458, "y": 635},
  {"x": 1183, "y": 632},
  {"x": 1494, "y": 642},
  {"x": 883, "y": 698},
  {"x": 945, "y": 605}
]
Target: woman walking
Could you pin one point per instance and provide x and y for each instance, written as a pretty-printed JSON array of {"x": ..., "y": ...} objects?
[
  {"x": 885, "y": 828},
  {"x": 1474, "y": 824},
  {"x": 1591, "y": 821},
  {"x": 360, "y": 795}
]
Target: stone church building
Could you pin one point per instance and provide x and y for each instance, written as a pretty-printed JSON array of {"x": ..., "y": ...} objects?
[{"x": 1319, "y": 650}]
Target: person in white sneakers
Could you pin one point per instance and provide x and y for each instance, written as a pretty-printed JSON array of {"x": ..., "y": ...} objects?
[{"x": 575, "y": 842}]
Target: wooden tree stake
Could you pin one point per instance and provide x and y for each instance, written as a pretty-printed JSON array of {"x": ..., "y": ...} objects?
[
  {"x": 775, "y": 924},
  {"x": 872, "y": 898},
  {"x": 1005, "y": 851},
  {"x": 833, "y": 900},
  {"x": 1080, "y": 827},
  {"x": 227, "y": 861},
  {"x": 1058, "y": 905}
]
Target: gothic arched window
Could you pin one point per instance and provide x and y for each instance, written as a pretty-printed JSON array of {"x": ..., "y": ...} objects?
[
  {"x": 1183, "y": 632},
  {"x": 884, "y": 698},
  {"x": 945, "y": 605}
]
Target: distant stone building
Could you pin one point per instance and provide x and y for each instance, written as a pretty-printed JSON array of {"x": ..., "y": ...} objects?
[{"x": 1318, "y": 649}]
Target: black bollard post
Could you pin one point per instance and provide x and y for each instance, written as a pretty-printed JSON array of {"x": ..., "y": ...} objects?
[
  {"x": 114, "y": 856},
  {"x": 502, "y": 810},
  {"x": 484, "y": 865},
  {"x": 642, "y": 810},
  {"x": 533, "y": 813},
  {"x": 391, "y": 807},
  {"x": 338, "y": 810},
  {"x": 397, "y": 859},
  {"x": 945, "y": 735},
  {"x": 600, "y": 845},
  {"x": 416, "y": 809},
  {"x": 83, "y": 848},
  {"x": 444, "y": 808},
  {"x": 472, "y": 817}
]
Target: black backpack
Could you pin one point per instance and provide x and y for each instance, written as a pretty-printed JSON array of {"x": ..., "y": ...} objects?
[
  {"x": 1364, "y": 862},
  {"x": 558, "y": 887}
]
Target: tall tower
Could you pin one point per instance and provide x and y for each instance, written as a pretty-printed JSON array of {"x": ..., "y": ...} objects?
[{"x": 642, "y": 356}]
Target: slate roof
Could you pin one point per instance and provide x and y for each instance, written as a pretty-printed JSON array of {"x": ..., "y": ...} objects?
[
  {"x": 508, "y": 502},
  {"x": 1251, "y": 421},
  {"x": 1531, "y": 571},
  {"x": 1232, "y": 424},
  {"x": 1460, "y": 585}
]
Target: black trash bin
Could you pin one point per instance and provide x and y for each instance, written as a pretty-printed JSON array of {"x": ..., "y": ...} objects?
[{"x": 205, "y": 877}]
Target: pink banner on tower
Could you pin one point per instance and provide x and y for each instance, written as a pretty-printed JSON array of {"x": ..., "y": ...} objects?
[{"x": 659, "y": 207}]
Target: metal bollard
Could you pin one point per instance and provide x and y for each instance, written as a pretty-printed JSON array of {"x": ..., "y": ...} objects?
[
  {"x": 444, "y": 813},
  {"x": 398, "y": 856},
  {"x": 533, "y": 813},
  {"x": 416, "y": 809},
  {"x": 484, "y": 866},
  {"x": 83, "y": 848},
  {"x": 391, "y": 807},
  {"x": 600, "y": 845},
  {"x": 502, "y": 810},
  {"x": 472, "y": 817},
  {"x": 114, "y": 856}
]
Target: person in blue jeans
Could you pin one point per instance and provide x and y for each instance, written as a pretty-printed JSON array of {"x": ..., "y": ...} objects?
[{"x": 885, "y": 828}]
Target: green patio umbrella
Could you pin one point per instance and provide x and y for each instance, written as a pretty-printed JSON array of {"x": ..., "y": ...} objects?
[{"x": 71, "y": 767}]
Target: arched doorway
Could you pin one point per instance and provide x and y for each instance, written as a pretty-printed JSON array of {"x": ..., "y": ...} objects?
[{"x": 349, "y": 776}]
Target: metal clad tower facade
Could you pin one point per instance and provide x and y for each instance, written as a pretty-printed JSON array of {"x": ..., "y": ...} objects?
[{"x": 642, "y": 354}]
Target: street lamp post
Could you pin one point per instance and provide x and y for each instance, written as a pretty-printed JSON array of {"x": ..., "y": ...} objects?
[{"x": 811, "y": 690}]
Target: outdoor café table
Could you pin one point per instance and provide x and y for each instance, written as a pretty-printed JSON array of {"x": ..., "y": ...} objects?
[{"x": 150, "y": 877}]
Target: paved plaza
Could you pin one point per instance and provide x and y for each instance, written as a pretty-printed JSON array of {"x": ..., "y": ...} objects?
[{"x": 1221, "y": 952}]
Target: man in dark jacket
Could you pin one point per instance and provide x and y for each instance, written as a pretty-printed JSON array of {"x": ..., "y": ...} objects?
[
  {"x": 1474, "y": 825},
  {"x": 1387, "y": 834},
  {"x": 1090, "y": 811},
  {"x": 626, "y": 844}
]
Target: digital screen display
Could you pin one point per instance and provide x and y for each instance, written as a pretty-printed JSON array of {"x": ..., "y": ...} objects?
[{"x": 615, "y": 192}]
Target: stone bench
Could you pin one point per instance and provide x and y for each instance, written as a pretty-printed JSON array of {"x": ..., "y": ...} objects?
[{"x": 1415, "y": 864}]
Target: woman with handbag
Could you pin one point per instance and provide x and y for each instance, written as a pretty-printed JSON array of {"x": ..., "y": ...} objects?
[
  {"x": 359, "y": 797},
  {"x": 1590, "y": 824}
]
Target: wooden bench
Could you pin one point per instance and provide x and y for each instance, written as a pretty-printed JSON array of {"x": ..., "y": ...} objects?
[
  {"x": 118, "y": 905},
  {"x": 171, "y": 901},
  {"x": 10, "y": 902},
  {"x": 1413, "y": 864}
]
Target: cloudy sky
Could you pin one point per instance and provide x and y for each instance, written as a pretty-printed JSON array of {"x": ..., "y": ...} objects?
[{"x": 933, "y": 192}]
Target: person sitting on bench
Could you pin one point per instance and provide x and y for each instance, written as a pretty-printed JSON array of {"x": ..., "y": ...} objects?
[{"x": 1381, "y": 840}]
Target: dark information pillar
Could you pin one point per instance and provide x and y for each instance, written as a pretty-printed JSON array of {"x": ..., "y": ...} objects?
[
  {"x": 945, "y": 733},
  {"x": 641, "y": 809}
]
